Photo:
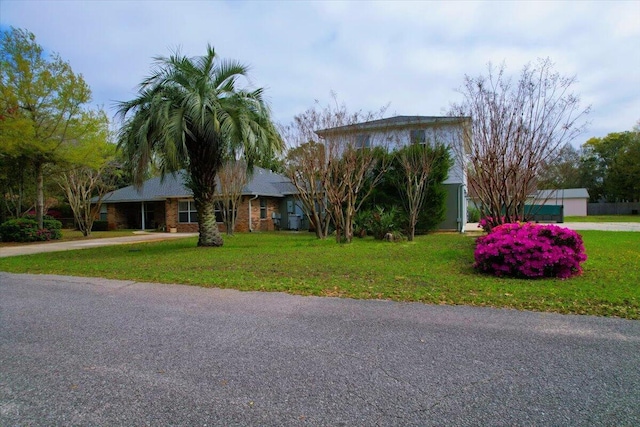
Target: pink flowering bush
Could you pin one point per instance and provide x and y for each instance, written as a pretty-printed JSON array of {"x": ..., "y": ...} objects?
[
  {"x": 530, "y": 250},
  {"x": 487, "y": 223}
]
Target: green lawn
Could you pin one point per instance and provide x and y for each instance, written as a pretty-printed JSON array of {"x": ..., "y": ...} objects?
[
  {"x": 434, "y": 269},
  {"x": 603, "y": 218}
]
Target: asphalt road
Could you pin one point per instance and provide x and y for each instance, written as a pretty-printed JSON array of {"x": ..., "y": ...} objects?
[{"x": 78, "y": 351}]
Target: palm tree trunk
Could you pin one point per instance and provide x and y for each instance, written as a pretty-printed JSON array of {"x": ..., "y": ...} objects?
[{"x": 209, "y": 235}]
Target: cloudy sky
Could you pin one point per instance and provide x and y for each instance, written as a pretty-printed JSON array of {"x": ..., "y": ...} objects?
[{"x": 411, "y": 55}]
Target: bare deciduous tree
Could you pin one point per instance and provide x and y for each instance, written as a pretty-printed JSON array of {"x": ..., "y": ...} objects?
[
  {"x": 307, "y": 170},
  {"x": 517, "y": 128},
  {"x": 232, "y": 179},
  {"x": 82, "y": 184},
  {"x": 352, "y": 175},
  {"x": 416, "y": 165},
  {"x": 332, "y": 172}
]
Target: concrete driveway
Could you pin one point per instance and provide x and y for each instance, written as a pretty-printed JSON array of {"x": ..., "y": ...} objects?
[
  {"x": 138, "y": 237},
  {"x": 78, "y": 351}
]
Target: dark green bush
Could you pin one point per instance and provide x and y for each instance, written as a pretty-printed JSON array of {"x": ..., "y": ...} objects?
[
  {"x": 387, "y": 192},
  {"x": 26, "y": 230},
  {"x": 378, "y": 222},
  {"x": 52, "y": 224},
  {"x": 100, "y": 226},
  {"x": 473, "y": 214}
]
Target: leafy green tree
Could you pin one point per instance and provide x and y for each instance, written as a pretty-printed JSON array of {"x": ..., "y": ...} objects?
[
  {"x": 624, "y": 176},
  {"x": 41, "y": 101},
  {"x": 89, "y": 171},
  {"x": 17, "y": 186},
  {"x": 191, "y": 114},
  {"x": 563, "y": 171},
  {"x": 610, "y": 166}
]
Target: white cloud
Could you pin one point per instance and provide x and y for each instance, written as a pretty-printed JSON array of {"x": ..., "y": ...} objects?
[{"x": 412, "y": 54}]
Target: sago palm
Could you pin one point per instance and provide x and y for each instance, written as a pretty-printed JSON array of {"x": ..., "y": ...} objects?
[{"x": 190, "y": 114}]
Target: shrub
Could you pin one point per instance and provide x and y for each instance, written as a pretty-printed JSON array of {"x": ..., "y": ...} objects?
[
  {"x": 384, "y": 221},
  {"x": 488, "y": 223},
  {"x": 26, "y": 230},
  {"x": 361, "y": 223},
  {"x": 530, "y": 251},
  {"x": 100, "y": 226},
  {"x": 473, "y": 214}
]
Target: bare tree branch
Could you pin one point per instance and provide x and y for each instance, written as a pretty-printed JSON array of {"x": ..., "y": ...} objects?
[
  {"x": 232, "y": 179},
  {"x": 516, "y": 130}
]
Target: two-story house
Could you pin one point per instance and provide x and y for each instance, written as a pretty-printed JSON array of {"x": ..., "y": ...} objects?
[{"x": 400, "y": 131}]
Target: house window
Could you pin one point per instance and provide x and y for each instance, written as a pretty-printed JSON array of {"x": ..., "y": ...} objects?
[
  {"x": 103, "y": 212},
  {"x": 263, "y": 208},
  {"x": 187, "y": 211},
  {"x": 219, "y": 211},
  {"x": 363, "y": 141},
  {"x": 418, "y": 136}
]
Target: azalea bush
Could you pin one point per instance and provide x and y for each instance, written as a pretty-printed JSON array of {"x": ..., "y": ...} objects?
[
  {"x": 530, "y": 250},
  {"x": 487, "y": 223},
  {"x": 26, "y": 230}
]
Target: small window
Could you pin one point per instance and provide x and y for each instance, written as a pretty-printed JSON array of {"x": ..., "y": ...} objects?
[
  {"x": 363, "y": 141},
  {"x": 219, "y": 207},
  {"x": 263, "y": 208},
  {"x": 187, "y": 212},
  {"x": 418, "y": 136},
  {"x": 103, "y": 212}
]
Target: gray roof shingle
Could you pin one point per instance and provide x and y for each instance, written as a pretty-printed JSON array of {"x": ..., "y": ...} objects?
[
  {"x": 262, "y": 182},
  {"x": 394, "y": 123},
  {"x": 567, "y": 193}
]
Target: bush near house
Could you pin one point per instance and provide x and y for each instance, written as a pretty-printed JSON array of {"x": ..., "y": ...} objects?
[
  {"x": 100, "y": 226},
  {"x": 26, "y": 230},
  {"x": 378, "y": 223},
  {"x": 473, "y": 214},
  {"x": 528, "y": 250}
]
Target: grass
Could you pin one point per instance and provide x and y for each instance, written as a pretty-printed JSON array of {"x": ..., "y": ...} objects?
[
  {"x": 70, "y": 235},
  {"x": 603, "y": 218},
  {"x": 435, "y": 269}
]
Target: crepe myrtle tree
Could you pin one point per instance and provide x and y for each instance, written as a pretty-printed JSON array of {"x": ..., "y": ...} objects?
[
  {"x": 518, "y": 128},
  {"x": 192, "y": 113},
  {"x": 418, "y": 171},
  {"x": 232, "y": 177},
  {"x": 333, "y": 172}
]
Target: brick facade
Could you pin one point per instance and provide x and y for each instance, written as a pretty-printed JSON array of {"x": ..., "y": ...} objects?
[{"x": 242, "y": 221}]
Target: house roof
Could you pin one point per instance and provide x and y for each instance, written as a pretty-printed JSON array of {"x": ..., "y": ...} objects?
[
  {"x": 566, "y": 193},
  {"x": 394, "y": 123},
  {"x": 262, "y": 182}
]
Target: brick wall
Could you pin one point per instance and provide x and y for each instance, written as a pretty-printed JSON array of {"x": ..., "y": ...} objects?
[
  {"x": 171, "y": 218},
  {"x": 257, "y": 224},
  {"x": 242, "y": 221},
  {"x": 116, "y": 218}
]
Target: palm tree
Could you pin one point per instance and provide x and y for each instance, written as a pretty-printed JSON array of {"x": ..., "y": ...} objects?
[{"x": 190, "y": 114}]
